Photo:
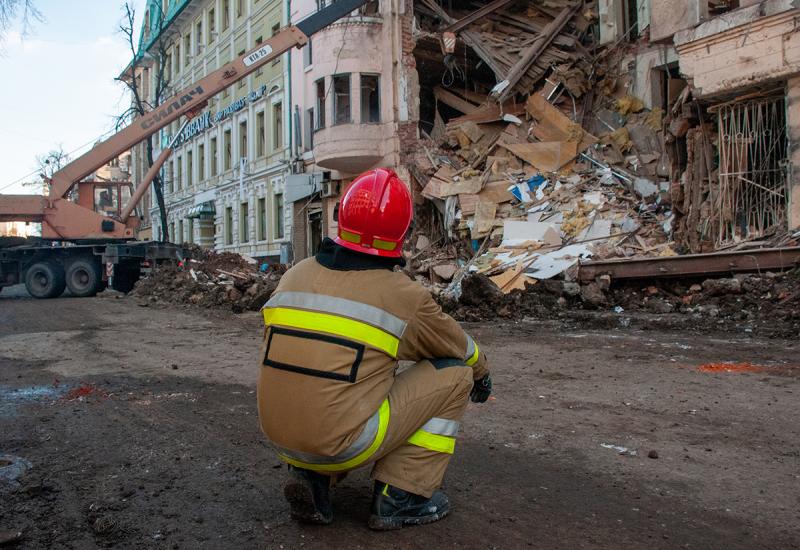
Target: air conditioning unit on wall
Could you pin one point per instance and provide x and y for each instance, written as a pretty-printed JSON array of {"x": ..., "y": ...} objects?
[{"x": 329, "y": 189}]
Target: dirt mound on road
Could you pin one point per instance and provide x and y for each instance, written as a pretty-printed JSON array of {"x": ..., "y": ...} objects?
[{"x": 212, "y": 280}]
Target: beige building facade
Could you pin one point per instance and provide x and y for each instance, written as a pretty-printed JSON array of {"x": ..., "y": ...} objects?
[
  {"x": 223, "y": 184},
  {"x": 353, "y": 103}
]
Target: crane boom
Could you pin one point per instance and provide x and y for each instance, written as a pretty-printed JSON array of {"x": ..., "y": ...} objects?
[{"x": 185, "y": 101}]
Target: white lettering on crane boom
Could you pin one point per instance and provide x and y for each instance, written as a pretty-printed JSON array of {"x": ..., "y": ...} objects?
[{"x": 257, "y": 55}]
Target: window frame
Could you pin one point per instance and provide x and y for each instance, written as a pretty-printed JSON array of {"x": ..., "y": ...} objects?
[
  {"x": 244, "y": 222},
  {"x": 337, "y": 119},
  {"x": 319, "y": 104},
  {"x": 279, "y": 231},
  {"x": 365, "y": 119},
  {"x": 277, "y": 125},
  {"x": 261, "y": 214},
  {"x": 228, "y": 225}
]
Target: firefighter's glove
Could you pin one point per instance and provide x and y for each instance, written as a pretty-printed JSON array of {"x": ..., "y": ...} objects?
[{"x": 481, "y": 390}]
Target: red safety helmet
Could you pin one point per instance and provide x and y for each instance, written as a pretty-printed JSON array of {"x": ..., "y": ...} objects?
[{"x": 375, "y": 214}]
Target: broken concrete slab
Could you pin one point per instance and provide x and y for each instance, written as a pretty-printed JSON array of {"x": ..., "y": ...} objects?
[
  {"x": 598, "y": 229},
  {"x": 515, "y": 232},
  {"x": 554, "y": 263},
  {"x": 445, "y": 271},
  {"x": 645, "y": 188}
]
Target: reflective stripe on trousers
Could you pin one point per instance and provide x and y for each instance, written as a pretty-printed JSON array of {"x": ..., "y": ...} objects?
[
  {"x": 359, "y": 452},
  {"x": 437, "y": 434},
  {"x": 337, "y": 316}
]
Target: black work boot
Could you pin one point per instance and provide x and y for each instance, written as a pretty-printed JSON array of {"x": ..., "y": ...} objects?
[
  {"x": 309, "y": 496},
  {"x": 392, "y": 508}
]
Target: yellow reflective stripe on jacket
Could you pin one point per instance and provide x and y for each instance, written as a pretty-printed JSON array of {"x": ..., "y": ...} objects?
[
  {"x": 384, "y": 412},
  {"x": 433, "y": 442},
  {"x": 333, "y": 324},
  {"x": 322, "y": 303},
  {"x": 472, "y": 351}
]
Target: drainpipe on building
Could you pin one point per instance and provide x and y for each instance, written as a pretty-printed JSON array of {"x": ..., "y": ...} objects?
[
  {"x": 287, "y": 7},
  {"x": 397, "y": 67}
]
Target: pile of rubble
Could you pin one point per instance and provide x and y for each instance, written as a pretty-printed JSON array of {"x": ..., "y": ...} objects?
[
  {"x": 212, "y": 280},
  {"x": 766, "y": 303},
  {"x": 538, "y": 202},
  {"x": 559, "y": 163}
]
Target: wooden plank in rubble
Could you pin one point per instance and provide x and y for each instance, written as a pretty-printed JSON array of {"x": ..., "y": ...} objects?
[
  {"x": 530, "y": 55},
  {"x": 477, "y": 14}
]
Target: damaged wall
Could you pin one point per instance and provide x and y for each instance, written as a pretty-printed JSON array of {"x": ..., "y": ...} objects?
[
  {"x": 668, "y": 18},
  {"x": 742, "y": 48},
  {"x": 793, "y": 130},
  {"x": 645, "y": 83}
]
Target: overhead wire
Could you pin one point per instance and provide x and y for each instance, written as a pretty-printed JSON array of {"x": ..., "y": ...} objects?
[{"x": 37, "y": 171}]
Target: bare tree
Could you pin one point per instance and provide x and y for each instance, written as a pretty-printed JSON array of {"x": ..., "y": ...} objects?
[
  {"x": 10, "y": 10},
  {"x": 141, "y": 100},
  {"x": 47, "y": 165}
]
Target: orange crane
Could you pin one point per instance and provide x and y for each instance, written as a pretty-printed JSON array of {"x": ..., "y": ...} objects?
[{"x": 73, "y": 213}]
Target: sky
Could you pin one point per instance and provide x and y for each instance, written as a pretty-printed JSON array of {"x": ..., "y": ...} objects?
[{"x": 57, "y": 84}]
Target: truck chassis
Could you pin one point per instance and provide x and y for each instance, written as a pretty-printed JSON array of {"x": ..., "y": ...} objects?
[{"x": 47, "y": 268}]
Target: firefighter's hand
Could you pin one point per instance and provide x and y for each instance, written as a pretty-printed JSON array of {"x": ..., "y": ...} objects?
[{"x": 481, "y": 390}]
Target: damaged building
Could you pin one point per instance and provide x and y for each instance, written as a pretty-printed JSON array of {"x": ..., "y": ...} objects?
[{"x": 539, "y": 134}]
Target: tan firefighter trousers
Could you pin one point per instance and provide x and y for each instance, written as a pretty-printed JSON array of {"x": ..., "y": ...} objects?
[{"x": 426, "y": 403}]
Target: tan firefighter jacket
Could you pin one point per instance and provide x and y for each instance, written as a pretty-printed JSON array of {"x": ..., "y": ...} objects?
[{"x": 332, "y": 342}]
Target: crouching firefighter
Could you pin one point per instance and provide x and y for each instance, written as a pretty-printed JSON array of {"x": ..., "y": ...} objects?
[{"x": 328, "y": 396}]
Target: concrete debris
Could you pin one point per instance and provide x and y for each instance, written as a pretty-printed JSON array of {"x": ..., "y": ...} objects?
[
  {"x": 445, "y": 271},
  {"x": 212, "y": 280}
]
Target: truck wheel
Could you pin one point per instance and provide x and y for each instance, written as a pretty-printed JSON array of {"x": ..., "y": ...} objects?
[
  {"x": 45, "y": 280},
  {"x": 124, "y": 279},
  {"x": 83, "y": 277}
]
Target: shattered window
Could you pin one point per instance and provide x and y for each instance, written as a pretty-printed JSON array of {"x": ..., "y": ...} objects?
[
  {"x": 370, "y": 98},
  {"x": 371, "y": 9},
  {"x": 341, "y": 98}
]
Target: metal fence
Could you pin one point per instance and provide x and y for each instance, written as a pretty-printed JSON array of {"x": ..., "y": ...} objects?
[{"x": 753, "y": 170}]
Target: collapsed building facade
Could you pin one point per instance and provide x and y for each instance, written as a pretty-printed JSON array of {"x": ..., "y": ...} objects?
[{"x": 577, "y": 129}]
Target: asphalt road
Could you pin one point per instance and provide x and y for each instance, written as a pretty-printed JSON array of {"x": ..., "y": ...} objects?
[{"x": 140, "y": 429}]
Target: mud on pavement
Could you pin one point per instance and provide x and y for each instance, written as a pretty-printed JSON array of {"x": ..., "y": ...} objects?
[{"x": 134, "y": 440}]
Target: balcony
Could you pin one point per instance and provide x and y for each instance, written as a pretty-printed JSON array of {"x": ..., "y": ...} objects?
[{"x": 351, "y": 148}]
